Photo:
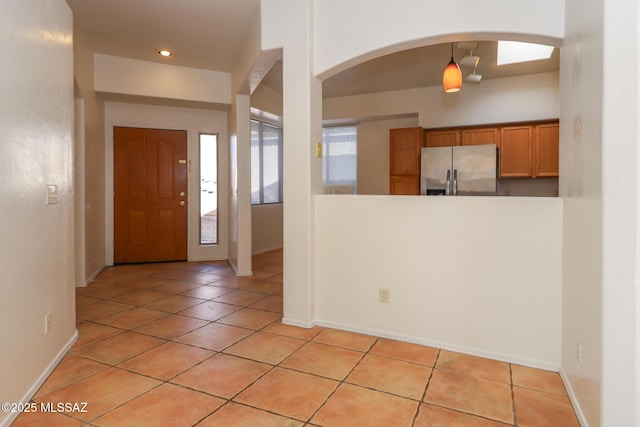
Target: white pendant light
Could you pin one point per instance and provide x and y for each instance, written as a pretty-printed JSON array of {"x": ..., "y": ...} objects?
[
  {"x": 470, "y": 60},
  {"x": 473, "y": 79}
]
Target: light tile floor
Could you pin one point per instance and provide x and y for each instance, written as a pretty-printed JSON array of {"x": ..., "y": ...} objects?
[{"x": 181, "y": 344}]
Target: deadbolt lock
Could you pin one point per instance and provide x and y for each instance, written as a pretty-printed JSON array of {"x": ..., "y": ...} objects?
[{"x": 182, "y": 194}]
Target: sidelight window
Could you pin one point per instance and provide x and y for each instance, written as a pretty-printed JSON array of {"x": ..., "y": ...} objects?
[{"x": 208, "y": 189}]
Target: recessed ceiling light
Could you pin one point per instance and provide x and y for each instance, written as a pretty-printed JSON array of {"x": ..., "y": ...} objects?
[
  {"x": 514, "y": 52},
  {"x": 165, "y": 53}
]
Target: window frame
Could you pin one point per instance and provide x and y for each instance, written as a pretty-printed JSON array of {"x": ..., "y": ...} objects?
[
  {"x": 217, "y": 231},
  {"x": 326, "y": 164},
  {"x": 261, "y": 125}
]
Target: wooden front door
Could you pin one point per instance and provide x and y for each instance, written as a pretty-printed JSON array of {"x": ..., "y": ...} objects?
[{"x": 150, "y": 195}]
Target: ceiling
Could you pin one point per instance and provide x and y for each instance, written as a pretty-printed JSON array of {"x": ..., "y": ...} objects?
[
  {"x": 205, "y": 34},
  {"x": 209, "y": 34},
  {"x": 418, "y": 67}
]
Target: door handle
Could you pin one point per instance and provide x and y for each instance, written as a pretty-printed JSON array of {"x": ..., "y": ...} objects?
[
  {"x": 455, "y": 182},
  {"x": 447, "y": 189},
  {"x": 182, "y": 203}
]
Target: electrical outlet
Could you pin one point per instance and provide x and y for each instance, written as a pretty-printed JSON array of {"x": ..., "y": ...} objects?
[
  {"x": 579, "y": 353},
  {"x": 385, "y": 295},
  {"x": 47, "y": 323}
]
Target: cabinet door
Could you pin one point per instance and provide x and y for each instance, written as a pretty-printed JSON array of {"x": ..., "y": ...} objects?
[
  {"x": 481, "y": 136},
  {"x": 546, "y": 150},
  {"x": 404, "y": 154},
  {"x": 404, "y": 184},
  {"x": 443, "y": 138},
  {"x": 404, "y": 160},
  {"x": 516, "y": 151}
]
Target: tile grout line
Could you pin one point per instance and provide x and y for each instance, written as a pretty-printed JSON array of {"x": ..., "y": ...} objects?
[
  {"x": 167, "y": 340},
  {"x": 341, "y": 382},
  {"x": 110, "y": 365},
  {"x": 426, "y": 387},
  {"x": 263, "y": 296},
  {"x": 130, "y": 400},
  {"x": 513, "y": 396},
  {"x": 310, "y": 340},
  {"x": 272, "y": 367},
  {"x": 254, "y": 332}
]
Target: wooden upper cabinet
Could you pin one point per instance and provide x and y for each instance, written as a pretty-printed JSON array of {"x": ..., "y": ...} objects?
[
  {"x": 527, "y": 149},
  {"x": 405, "y": 146},
  {"x": 546, "y": 150},
  {"x": 442, "y": 138},
  {"x": 481, "y": 136},
  {"x": 516, "y": 151}
]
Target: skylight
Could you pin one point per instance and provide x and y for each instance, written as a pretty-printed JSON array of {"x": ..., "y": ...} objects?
[{"x": 514, "y": 52}]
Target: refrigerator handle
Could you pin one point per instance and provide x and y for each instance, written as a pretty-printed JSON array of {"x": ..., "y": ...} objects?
[
  {"x": 447, "y": 190},
  {"x": 455, "y": 182}
]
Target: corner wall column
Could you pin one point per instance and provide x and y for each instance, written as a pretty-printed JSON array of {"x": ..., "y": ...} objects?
[
  {"x": 240, "y": 179},
  {"x": 302, "y": 128}
]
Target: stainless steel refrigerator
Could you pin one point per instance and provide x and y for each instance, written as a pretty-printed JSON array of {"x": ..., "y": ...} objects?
[{"x": 468, "y": 170}]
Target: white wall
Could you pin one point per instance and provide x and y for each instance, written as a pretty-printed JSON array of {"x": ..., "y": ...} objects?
[
  {"x": 374, "y": 27},
  {"x": 266, "y": 227},
  {"x": 580, "y": 186},
  {"x": 620, "y": 215},
  {"x": 481, "y": 275},
  {"x": 79, "y": 203},
  {"x": 373, "y": 153},
  {"x": 194, "y": 121},
  {"x": 36, "y": 249},
  {"x": 351, "y": 32},
  {"x": 493, "y": 101},
  {"x": 249, "y": 68},
  {"x": 400, "y": 102},
  {"x": 240, "y": 186},
  {"x": 511, "y": 99},
  {"x": 92, "y": 163},
  {"x": 302, "y": 128},
  {"x": 266, "y": 99},
  {"x": 114, "y": 74},
  {"x": 600, "y": 283}
]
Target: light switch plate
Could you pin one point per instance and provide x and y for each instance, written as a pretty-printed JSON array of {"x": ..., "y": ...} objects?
[{"x": 52, "y": 194}]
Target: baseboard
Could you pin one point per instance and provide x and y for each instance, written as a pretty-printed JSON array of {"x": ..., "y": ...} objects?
[
  {"x": 239, "y": 273},
  {"x": 205, "y": 259},
  {"x": 261, "y": 251},
  {"x": 41, "y": 379},
  {"x": 574, "y": 399},
  {"x": 92, "y": 277},
  {"x": 532, "y": 363},
  {"x": 306, "y": 325}
]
